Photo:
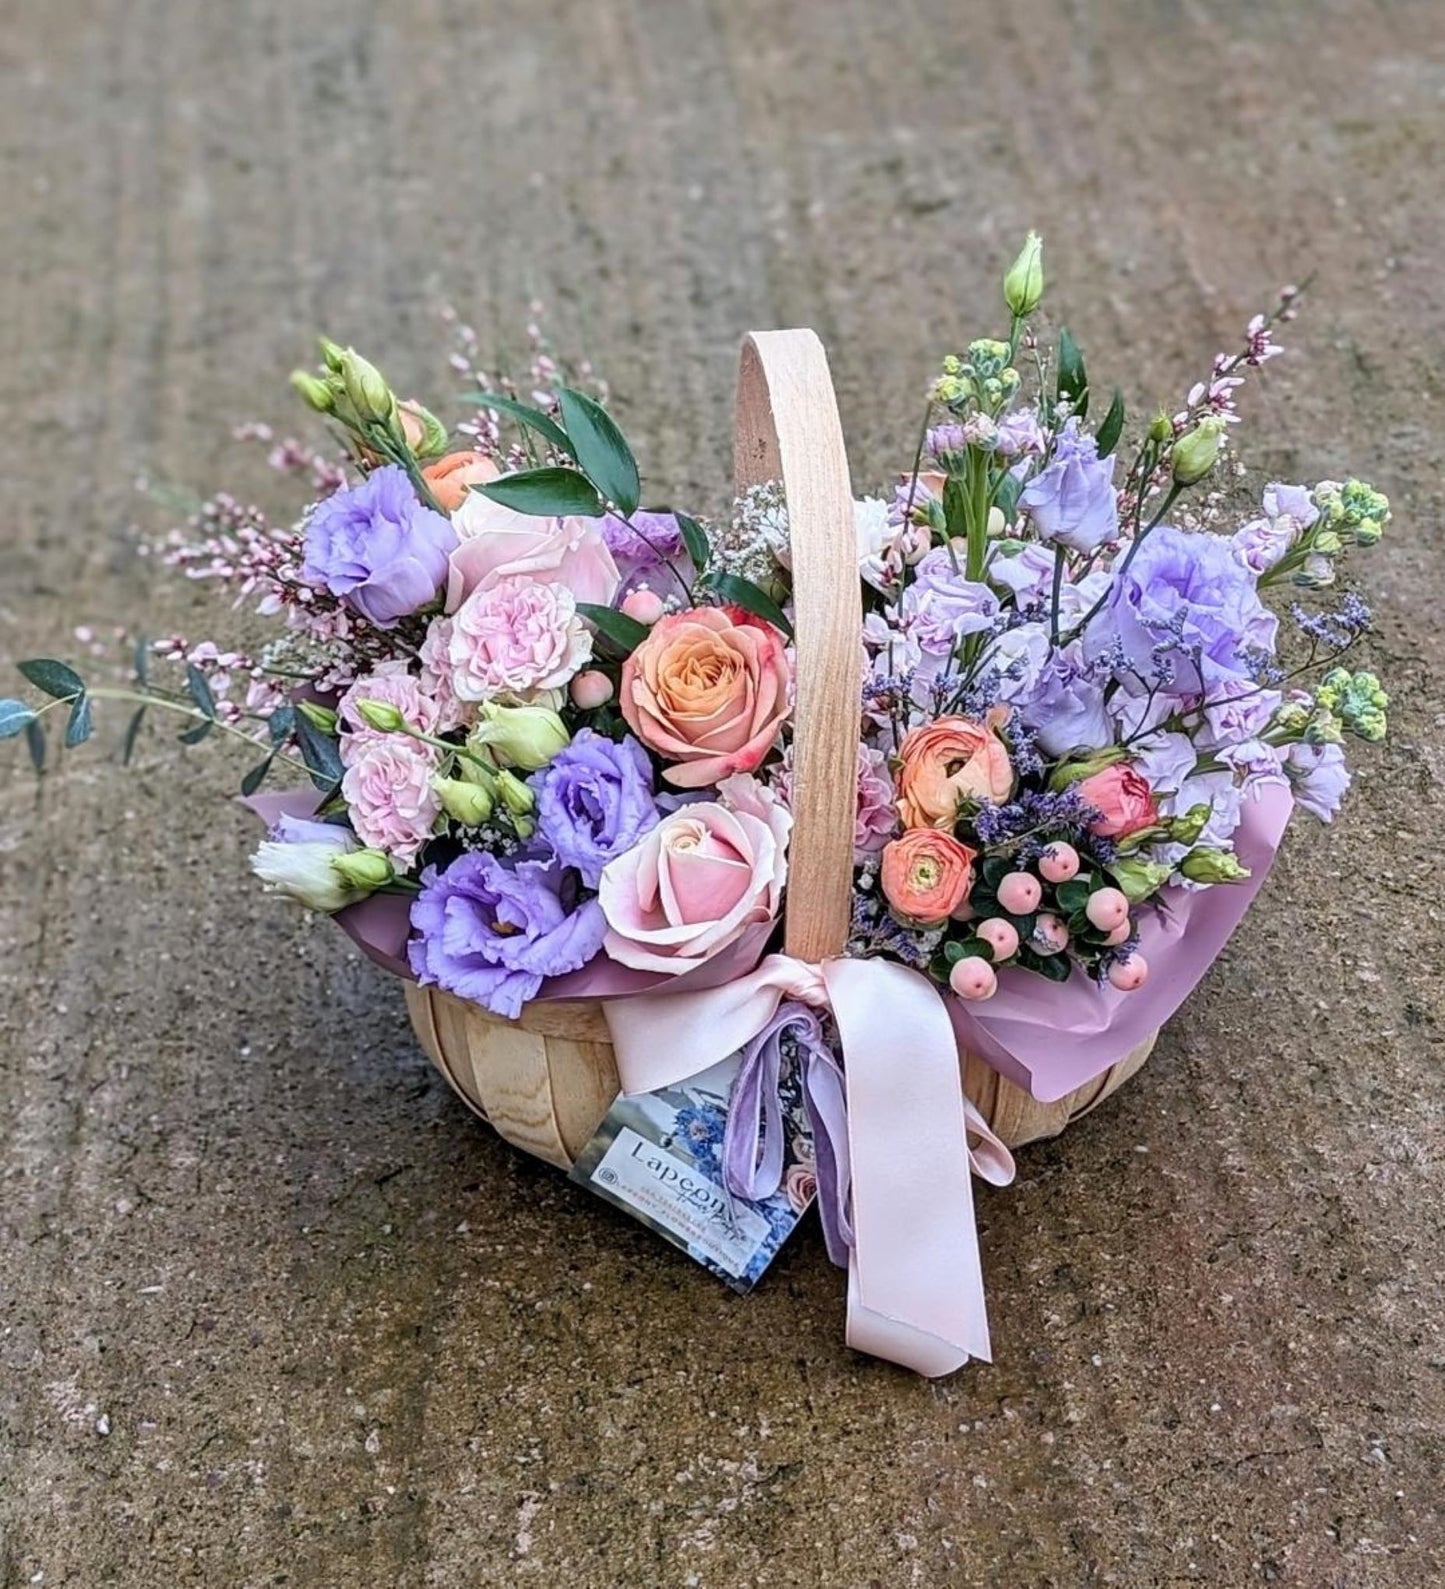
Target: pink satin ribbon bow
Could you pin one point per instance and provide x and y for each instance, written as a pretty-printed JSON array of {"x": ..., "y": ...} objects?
[{"x": 915, "y": 1283}]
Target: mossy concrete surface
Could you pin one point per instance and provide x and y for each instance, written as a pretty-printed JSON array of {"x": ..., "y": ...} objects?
[{"x": 273, "y": 1308}]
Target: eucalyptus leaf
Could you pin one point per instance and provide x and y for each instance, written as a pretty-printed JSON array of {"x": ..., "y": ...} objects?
[
  {"x": 80, "y": 724},
  {"x": 694, "y": 538},
  {"x": 624, "y": 632},
  {"x": 280, "y": 723},
  {"x": 743, "y": 593},
  {"x": 1113, "y": 426},
  {"x": 600, "y": 450},
  {"x": 15, "y": 717},
  {"x": 142, "y": 660},
  {"x": 195, "y": 734},
  {"x": 553, "y": 492},
  {"x": 533, "y": 418},
  {"x": 256, "y": 777},
  {"x": 200, "y": 690},
  {"x": 58, "y": 680},
  {"x": 132, "y": 732},
  {"x": 35, "y": 743},
  {"x": 320, "y": 753},
  {"x": 1073, "y": 382}
]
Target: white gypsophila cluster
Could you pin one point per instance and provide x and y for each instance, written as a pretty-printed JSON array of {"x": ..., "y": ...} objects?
[{"x": 754, "y": 543}]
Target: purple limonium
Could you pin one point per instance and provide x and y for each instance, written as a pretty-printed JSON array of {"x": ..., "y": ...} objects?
[
  {"x": 491, "y": 932},
  {"x": 1187, "y": 594},
  {"x": 595, "y": 801},
  {"x": 648, "y": 551},
  {"x": 1072, "y": 502},
  {"x": 940, "y": 605},
  {"x": 375, "y": 547},
  {"x": 1319, "y": 778}
]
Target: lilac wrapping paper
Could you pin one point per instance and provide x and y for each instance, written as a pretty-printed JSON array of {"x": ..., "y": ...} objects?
[{"x": 1047, "y": 1037}]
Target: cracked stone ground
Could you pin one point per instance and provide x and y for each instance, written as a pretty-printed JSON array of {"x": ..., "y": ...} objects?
[{"x": 273, "y": 1309}]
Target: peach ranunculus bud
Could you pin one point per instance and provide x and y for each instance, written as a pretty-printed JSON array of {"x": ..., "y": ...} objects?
[
  {"x": 449, "y": 477},
  {"x": 946, "y": 761},
  {"x": 926, "y": 874},
  {"x": 708, "y": 691},
  {"x": 1123, "y": 799}
]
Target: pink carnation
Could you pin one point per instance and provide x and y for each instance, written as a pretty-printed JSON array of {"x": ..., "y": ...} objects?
[
  {"x": 876, "y": 819},
  {"x": 434, "y": 654},
  {"x": 388, "y": 790},
  {"x": 515, "y": 638},
  {"x": 392, "y": 685}
]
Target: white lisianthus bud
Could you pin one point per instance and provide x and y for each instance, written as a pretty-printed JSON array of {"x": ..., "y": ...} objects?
[
  {"x": 1195, "y": 453},
  {"x": 382, "y": 716},
  {"x": 1023, "y": 286},
  {"x": 299, "y": 861},
  {"x": 366, "y": 869},
  {"x": 520, "y": 736},
  {"x": 467, "y": 803}
]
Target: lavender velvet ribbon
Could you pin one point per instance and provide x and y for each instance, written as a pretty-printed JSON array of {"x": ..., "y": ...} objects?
[{"x": 753, "y": 1145}]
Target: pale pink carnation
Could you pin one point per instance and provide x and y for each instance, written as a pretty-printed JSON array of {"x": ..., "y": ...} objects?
[
  {"x": 876, "y": 820},
  {"x": 516, "y": 638},
  {"x": 388, "y": 790},
  {"x": 392, "y": 685},
  {"x": 434, "y": 654}
]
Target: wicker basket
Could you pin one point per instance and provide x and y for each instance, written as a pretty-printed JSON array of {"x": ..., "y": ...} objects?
[{"x": 544, "y": 1082}]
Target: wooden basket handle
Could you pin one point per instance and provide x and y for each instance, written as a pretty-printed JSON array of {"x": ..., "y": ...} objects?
[{"x": 788, "y": 429}]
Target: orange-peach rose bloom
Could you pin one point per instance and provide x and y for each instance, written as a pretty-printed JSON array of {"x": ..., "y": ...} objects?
[
  {"x": 948, "y": 760},
  {"x": 927, "y": 875},
  {"x": 708, "y": 691},
  {"x": 450, "y": 476}
]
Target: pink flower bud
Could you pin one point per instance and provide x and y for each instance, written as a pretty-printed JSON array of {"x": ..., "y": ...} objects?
[
  {"x": 1059, "y": 863},
  {"x": 590, "y": 690},
  {"x": 1126, "y": 975},
  {"x": 643, "y": 605},
  {"x": 973, "y": 978},
  {"x": 1107, "y": 908},
  {"x": 1019, "y": 893}
]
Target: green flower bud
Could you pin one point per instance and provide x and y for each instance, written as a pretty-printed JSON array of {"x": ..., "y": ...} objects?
[
  {"x": 1138, "y": 878},
  {"x": 318, "y": 716},
  {"x": 333, "y": 355},
  {"x": 524, "y": 826},
  {"x": 366, "y": 387},
  {"x": 1213, "y": 866},
  {"x": 1324, "y": 729},
  {"x": 1291, "y": 718},
  {"x": 1370, "y": 724},
  {"x": 314, "y": 391},
  {"x": 1327, "y": 543},
  {"x": 1075, "y": 771},
  {"x": 517, "y": 797},
  {"x": 1195, "y": 453},
  {"x": 467, "y": 803},
  {"x": 1023, "y": 286},
  {"x": 382, "y": 716},
  {"x": 1161, "y": 428},
  {"x": 1186, "y": 829},
  {"x": 432, "y": 441},
  {"x": 520, "y": 736},
  {"x": 368, "y": 869}
]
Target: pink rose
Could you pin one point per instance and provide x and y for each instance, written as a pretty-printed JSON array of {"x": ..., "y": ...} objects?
[
  {"x": 498, "y": 543},
  {"x": 801, "y": 1186},
  {"x": 516, "y": 637},
  {"x": 698, "y": 880},
  {"x": 389, "y": 795},
  {"x": 392, "y": 685},
  {"x": 1124, "y": 801},
  {"x": 709, "y": 689}
]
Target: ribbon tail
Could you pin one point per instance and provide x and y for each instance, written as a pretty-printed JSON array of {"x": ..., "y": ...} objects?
[{"x": 915, "y": 1281}]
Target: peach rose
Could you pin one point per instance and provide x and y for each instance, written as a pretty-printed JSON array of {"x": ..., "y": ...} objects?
[
  {"x": 1123, "y": 799},
  {"x": 949, "y": 760},
  {"x": 707, "y": 689},
  {"x": 450, "y": 476},
  {"x": 499, "y": 543},
  {"x": 926, "y": 875},
  {"x": 698, "y": 880}
]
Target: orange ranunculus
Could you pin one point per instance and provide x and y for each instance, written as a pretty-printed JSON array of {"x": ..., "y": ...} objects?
[
  {"x": 708, "y": 690},
  {"x": 450, "y": 476},
  {"x": 927, "y": 875},
  {"x": 948, "y": 760}
]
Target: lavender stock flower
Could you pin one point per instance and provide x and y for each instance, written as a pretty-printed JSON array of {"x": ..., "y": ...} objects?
[
  {"x": 1072, "y": 501},
  {"x": 595, "y": 801},
  {"x": 490, "y": 932},
  {"x": 376, "y": 547}
]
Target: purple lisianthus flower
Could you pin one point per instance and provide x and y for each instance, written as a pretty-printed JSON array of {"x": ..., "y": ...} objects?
[
  {"x": 595, "y": 801},
  {"x": 376, "y": 547},
  {"x": 1072, "y": 501},
  {"x": 940, "y": 606},
  {"x": 1184, "y": 600},
  {"x": 1066, "y": 710},
  {"x": 1165, "y": 761},
  {"x": 490, "y": 932},
  {"x": 1319, "y": 778},
  {"x": 1020, "y": 435},
  {"x": 1028, "y": 573},
  {"x": 643, "y": 551},
  {"x": 1237, "y": 710}
]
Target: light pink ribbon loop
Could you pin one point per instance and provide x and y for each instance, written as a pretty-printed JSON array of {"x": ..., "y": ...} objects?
[{"x": 915, "y": 1282}]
